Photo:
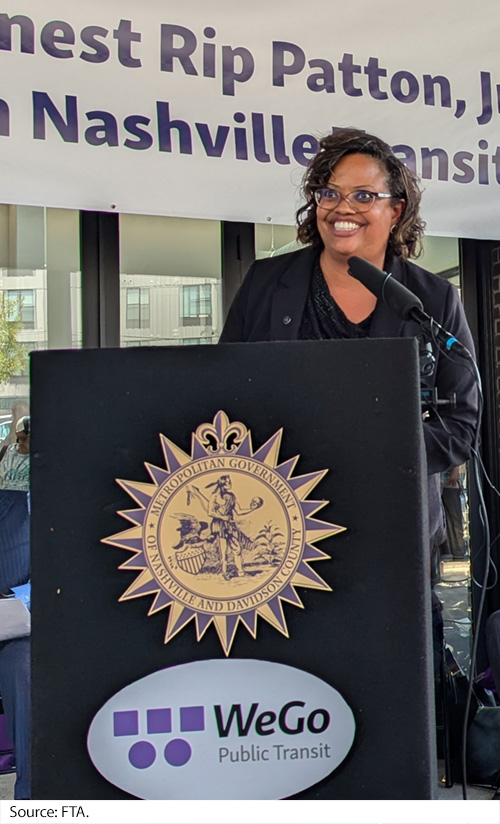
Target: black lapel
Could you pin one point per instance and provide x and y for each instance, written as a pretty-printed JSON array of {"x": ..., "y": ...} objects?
[
  {"x": 385, "y": 322},
  {"x": 289, "y": 299}
]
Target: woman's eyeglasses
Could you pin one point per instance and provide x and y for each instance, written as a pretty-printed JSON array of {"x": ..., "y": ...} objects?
[{"x": 360, "y": 201}]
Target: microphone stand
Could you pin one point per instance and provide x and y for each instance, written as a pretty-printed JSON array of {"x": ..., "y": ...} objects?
[
  {"x": 434, "y": 332},
  {"x": 404, "y": 303},
  {"x": 407, "y": 305}
]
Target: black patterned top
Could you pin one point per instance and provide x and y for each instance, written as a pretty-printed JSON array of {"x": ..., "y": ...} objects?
[{"x": 323, "y": 319}]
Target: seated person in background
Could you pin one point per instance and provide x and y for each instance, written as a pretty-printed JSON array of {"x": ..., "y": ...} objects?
[
  {"x": 14, "y": 571},
  {"x": 19, "y": 410}
]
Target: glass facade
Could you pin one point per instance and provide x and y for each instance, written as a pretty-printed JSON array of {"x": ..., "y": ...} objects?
[
  {"x": 170, "y": 281},
  {"x": 40, "y": 294}
]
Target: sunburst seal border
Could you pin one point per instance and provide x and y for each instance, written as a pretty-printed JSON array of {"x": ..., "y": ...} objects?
[{"x": 227, "y": 439}]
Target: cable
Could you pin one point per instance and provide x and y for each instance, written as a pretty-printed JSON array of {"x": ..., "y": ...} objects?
[
  {"x": 486, "y": 477},
  {"x": 477, "y": 455},
  {"x": 478, "y": 468},
  {"x": 407, "y": 305},
  {"x": 486, "y": 543},
  {"x": 480, "y": 608}
]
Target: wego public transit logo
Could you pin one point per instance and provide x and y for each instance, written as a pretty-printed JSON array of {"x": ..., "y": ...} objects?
[
  {"x": 228, "y": 728},
  {"x": 224, "y": 534}
]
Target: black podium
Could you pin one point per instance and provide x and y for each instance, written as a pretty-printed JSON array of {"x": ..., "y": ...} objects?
[{"x": 349, "y": 407}]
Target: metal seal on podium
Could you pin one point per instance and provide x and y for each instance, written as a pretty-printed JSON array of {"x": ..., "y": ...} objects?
[{"x": 223, "y": 535}]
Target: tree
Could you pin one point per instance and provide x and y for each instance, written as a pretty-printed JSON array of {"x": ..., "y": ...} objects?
[{"x": 13, "y": 354}]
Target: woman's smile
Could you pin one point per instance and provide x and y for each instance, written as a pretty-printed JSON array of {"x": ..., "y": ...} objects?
[{"x": 344, "y": 230}]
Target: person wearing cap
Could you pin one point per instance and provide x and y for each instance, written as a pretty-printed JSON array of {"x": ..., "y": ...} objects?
[{"x": 14, "y": 572}]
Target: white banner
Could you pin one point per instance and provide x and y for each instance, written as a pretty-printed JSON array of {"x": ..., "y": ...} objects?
[{"x": 212, "y": 110}]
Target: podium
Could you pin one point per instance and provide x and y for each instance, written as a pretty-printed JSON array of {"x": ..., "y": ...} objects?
[{"x": 351, "y": 622}]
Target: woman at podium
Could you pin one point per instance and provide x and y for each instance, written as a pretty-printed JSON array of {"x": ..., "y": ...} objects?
[{"x": 361, "y": 200}]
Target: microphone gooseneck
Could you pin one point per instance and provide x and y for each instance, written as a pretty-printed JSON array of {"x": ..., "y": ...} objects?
[{"x": 403, "y": 302}]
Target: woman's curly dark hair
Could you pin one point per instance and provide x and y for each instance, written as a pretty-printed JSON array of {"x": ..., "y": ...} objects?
[{"x": 406, "y": 239}]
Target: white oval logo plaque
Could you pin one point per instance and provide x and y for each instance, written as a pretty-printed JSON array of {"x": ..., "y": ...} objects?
[{"x": 221, "y": 729}]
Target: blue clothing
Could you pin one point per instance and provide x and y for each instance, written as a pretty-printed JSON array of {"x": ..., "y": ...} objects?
[
  {"x": 15, "y": 653},
  {"x": 15, "y": 691},
  {"x": 14, "y": 539}
]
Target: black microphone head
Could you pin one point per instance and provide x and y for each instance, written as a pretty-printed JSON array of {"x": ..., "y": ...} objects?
[
  {"x": 367, "y": 274},
  {"x": 396, "y": 296}
]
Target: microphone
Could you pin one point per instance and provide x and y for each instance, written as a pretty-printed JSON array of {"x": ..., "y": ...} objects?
[{"x": 403, "y": 302}]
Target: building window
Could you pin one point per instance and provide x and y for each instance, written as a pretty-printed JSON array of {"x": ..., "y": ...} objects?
[
  {"x": 197, "y": 305},
  {"x": 138, "y": 316},
  {"x": 195, "y": 341},
  {"x": 22, "y": 306}
]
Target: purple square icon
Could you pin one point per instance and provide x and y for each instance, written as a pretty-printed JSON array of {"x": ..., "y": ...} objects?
[
  {"x": 192, "y": 719},
  {"x": 126, "y": 723},
  {"x": 160, "y": 720}
]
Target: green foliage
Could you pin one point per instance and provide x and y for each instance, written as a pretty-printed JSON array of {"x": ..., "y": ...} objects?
[
  {"x": 269, "y": 542},
  {"x": 13, "y": 356}
]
